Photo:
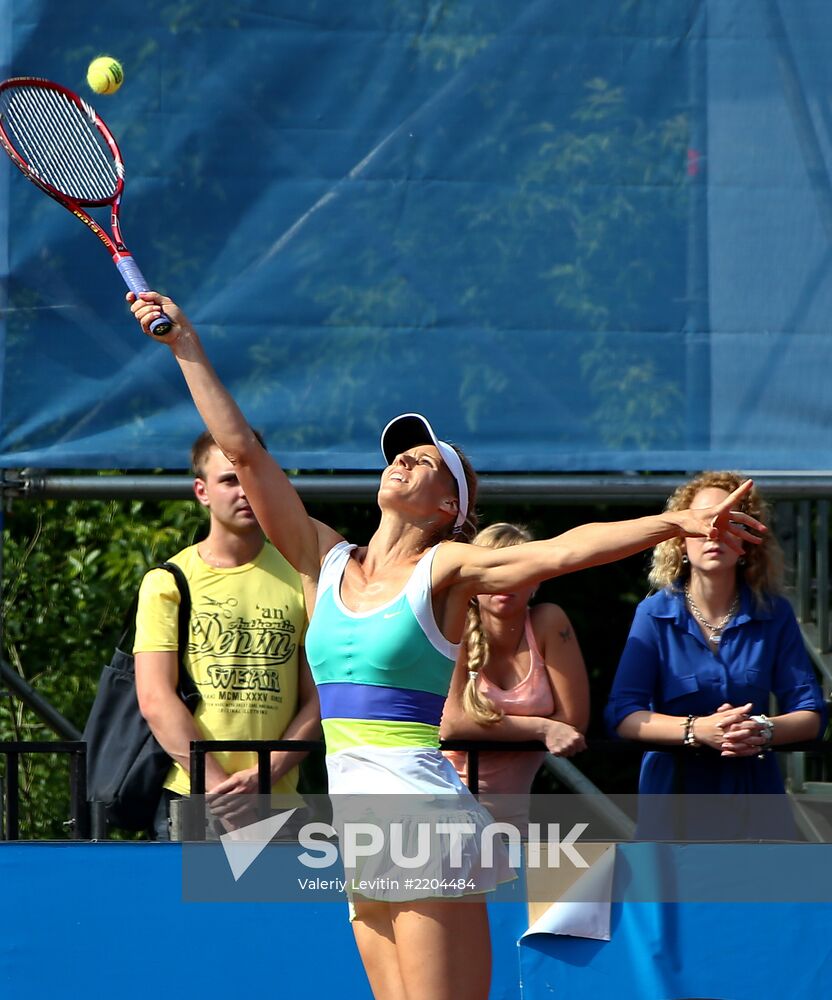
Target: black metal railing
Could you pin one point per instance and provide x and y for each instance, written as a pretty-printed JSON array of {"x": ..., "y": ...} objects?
[
  {"x": 263, "y": 749},
  {"x": 473, "y": 748},
  {"x": 803, "y": 528},
  {"x": 81, "y": 810},
  {"x": 78, "y": 807}
]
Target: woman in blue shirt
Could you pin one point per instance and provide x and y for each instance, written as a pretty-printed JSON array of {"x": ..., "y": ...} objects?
[{"x": 705, "y": 652}]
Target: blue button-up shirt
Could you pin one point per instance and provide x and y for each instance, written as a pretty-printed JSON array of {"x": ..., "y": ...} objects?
[{"x": 668, "y": 667}]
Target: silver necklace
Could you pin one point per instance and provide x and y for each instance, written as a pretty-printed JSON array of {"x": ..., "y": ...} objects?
[{"x": 715, "y": 630}]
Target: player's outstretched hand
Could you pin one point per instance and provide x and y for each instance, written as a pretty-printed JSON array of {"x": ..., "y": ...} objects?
[{"x": 733, "y": 527}]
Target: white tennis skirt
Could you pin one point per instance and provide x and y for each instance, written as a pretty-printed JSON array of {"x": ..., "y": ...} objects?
[{"x": 425, "y": 834}]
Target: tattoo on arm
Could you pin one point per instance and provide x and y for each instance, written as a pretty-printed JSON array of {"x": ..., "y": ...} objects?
[{"x": 566, "y": 634}]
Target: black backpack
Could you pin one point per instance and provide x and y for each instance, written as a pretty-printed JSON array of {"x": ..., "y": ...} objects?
[{"x": 126, "y": 766}]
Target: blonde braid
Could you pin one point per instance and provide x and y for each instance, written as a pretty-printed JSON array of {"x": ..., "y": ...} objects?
[{"x": 474, "y": 702}]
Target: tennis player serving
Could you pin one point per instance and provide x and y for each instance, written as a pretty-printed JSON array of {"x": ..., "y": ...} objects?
[{"x": 386, "y": 621}]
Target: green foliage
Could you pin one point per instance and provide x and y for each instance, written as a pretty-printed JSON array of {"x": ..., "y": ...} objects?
[{"x": 70, "y": 571}]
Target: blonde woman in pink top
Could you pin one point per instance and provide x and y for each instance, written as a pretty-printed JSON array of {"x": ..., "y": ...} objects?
[{"x": 520, "y": 676}]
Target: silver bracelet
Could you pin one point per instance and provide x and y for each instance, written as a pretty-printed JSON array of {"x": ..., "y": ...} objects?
[{"x": 768, "y": 732}]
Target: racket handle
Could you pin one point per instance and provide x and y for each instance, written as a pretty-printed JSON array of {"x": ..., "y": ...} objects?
[{"x": 136, "y": 282}]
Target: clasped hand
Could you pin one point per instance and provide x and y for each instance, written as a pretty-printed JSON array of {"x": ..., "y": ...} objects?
[
  {"x": 234, "y": 800},
  {"x": 731, "y": 731}
]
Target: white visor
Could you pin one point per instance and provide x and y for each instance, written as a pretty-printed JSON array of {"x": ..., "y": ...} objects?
[{"x": 411, "y": 429}]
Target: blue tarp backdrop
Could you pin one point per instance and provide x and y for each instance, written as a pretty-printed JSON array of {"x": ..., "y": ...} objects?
[{"x": 577, "y": 236}]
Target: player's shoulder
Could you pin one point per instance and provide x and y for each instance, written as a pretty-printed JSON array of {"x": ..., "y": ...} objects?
[{"x": 449, "y": 556}]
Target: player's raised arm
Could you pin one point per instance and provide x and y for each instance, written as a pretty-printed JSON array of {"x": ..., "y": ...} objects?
[
  {"x": 483, "y": 570},
  {"x": 273, "y": 499}
]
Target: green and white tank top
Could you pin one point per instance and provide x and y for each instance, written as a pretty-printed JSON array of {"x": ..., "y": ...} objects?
[{"x": 382, "y": 675}]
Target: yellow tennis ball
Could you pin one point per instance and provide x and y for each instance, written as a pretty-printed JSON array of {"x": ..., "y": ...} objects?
[{"x": 105, "y": 75}]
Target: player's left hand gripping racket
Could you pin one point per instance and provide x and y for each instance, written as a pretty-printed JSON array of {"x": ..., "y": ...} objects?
[{"x": 62, "y": 146}]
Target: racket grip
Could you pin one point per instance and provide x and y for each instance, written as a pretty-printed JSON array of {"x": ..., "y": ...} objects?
[{"x": 136, "y": 282}]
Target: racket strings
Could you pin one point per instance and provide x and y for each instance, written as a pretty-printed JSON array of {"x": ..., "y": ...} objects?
[
  {"x": 67, "y": 122},
  {"x": 59, "y": 143}
]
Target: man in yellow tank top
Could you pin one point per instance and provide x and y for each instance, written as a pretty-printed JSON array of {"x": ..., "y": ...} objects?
[{"x": 245, "y": 651}]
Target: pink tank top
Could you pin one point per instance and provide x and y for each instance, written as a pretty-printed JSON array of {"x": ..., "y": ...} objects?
[
  {"x": 532, "y": 695},
  {"x": 512, "y": 771}
]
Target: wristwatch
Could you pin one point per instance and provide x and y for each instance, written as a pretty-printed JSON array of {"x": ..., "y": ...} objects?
[{"x": 768, "y": 730}]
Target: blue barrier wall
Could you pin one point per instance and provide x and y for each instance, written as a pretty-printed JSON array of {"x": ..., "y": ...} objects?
[{"x": 93, "y": 920}]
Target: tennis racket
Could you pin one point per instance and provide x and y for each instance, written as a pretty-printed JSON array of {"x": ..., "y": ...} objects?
[{"x": 63, "y": 146}]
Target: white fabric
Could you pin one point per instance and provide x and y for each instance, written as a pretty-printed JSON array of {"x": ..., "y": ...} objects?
[
  {"x": 369, "y": 784},
  {"x": 584, "y": 909}
]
